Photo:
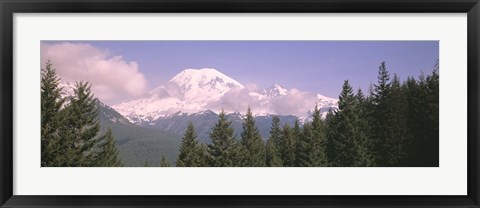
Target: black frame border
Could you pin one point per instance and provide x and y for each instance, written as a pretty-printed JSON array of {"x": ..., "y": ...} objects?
[{"x": 9, "y": 7}]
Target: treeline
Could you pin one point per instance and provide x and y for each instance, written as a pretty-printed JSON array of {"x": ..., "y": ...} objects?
[
  {"x": 395, "y": 125},
  {"x": 70, "y": 130}
]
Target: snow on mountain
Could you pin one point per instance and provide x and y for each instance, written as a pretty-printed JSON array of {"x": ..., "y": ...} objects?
[
  {"x": 275, "y": 90},
  {"x": 188, "y": 91},
  {"x": 197, "y": 90}
]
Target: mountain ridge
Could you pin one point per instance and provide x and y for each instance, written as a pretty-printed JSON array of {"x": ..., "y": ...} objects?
[{"x": 197, "y": 90}]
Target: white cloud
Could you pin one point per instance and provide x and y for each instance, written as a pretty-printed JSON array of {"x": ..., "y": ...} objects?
[
  {"x": 295, "y": 102},
  {"x": 113, "y": 79}
]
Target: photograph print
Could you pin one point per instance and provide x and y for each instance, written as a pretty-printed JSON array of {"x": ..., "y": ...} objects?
[{"x": 239, "y": 103}]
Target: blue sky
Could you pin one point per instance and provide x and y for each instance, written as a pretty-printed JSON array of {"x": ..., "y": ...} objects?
[{"x": 314, "y": 66}]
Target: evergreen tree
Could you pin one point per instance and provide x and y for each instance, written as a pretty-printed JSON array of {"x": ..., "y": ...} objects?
[
  {"x": 80, "y": 127},
  {"x": 190, "y": 155},
  {"x": 422, "y": 117},
  {"x": 272, "y": 159},
  {"x": 164, "y": 162},
  {"x": 330, "y": 137},
  {"x": 364, "y": 140},
  {"x": 297, "y": 135},
  {"x": 432, "y": 150},
  {"x": 275, "y": 139},
  {"x": 312, "y": 147},
  {"x": 253, "y": 146},
  {"x": 289, "y": 147},
  {"x": 396, "y": 138},
  {"x": 108, "y": 153},
  {"x": 379, "y": 103},
  {"x": 51, "y": 117},
  {"x": 203, "y": 155},
  {"x": 308, "y": 153},
  {"x": 223, "y": 150},
  {"x": 346, "y": 133}
]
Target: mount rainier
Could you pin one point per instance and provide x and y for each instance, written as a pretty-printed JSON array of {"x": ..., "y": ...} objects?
[{"x": 194, "y": 91}]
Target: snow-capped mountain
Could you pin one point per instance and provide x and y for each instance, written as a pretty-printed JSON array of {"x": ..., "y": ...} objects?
[{"x": 197, "y": 90}]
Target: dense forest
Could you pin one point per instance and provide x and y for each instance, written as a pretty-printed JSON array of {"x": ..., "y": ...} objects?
[
  {"x": 70, "y": 127},
  {"x": 396, "y": 124}
]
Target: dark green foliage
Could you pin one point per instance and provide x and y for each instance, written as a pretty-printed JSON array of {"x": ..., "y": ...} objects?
[
  {"x": 190, "y": 155},
  {"x": 396, "y": 134},
  {"x": 274, "y": 144},
  {"x": 364, "y": 141},
  {"x": 252, "y": 143},
  {"x": 223, "y": 151},
  {"x": 80, "y": 128},
  {"x": 70, "y": 130},
  {"x": 164, "y": 162},
  {"x": 51, "y": 103},
  {"x": 312, "y": 147},
  {"x": 108, "y": 153},
  {"x": 423, "y": 120},
  {"x": 289, "y": 146},
  {"x": 347, "y": 133},
  {"x": 272, "y": 159}
]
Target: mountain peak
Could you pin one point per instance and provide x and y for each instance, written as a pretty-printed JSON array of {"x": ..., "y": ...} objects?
[
  {"x": 275, "y": 90},
  {"x": 203, "y": 77}
]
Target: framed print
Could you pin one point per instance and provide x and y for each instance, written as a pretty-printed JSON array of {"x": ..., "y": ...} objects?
[{"x": 247, "y": 104}]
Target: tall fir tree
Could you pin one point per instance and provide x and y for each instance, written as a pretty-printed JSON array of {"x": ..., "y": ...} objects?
[
  {"x": 164, "y": 162},
  {"x": 364, "y": 140},
  {"x": 223, "y": 150},
  {"x": 432, "y": 151},
  {"x": 51, "y": 101},
  {"x": 297, "y": 135},
  {"x": 252, "y": 143},
  {"x": 330, "y": 136},
  {"x": 346, "y": 133},
  {"x": 312, "y": 147},
  {"x": 289, "y": 146},
  {"x": 80, "y": 127},
  {"x": 379, "y": 99},
  {"x": 271, "y": 155},
  {"x": 396, "y": 132},
  {"x": 275, "y": 139},
  {"x": 107, "y": 155},
  {"x": 190, "y": 155}
]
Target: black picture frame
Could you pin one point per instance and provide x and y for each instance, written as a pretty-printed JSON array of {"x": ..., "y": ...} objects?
[{"x": 10, "y": 7}]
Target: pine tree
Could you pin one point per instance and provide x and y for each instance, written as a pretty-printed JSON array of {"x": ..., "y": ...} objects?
[
  {"x": 308, "y": 148},
  {"x": 289, "y": 146},
  {"x": 108, "y": 153},
  {"x": 344, "y": 141},
  {"x": 396, "y": 138},
  {"x": 190, "y": 155},
  {"x": 164, "y": 162},
  {"x": 297, "y": 135},
  {"x": 271, "y": 155},
  {"x": 432, "y": 151},
  {"x": 379, "y": 102},
  {"x": 330, "y": 137},
  {"x": 202, "y": 155},
  {"x": 253, "y": 146},
  {"x": 80, "y": 128},
  {"x": 275, "y": 138},
  {"x": 51, "y": 117},
  {"x": 223, "y": 150},
  {"x": 312, "y": 147},
  {"x": 364, "y": 140}
]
